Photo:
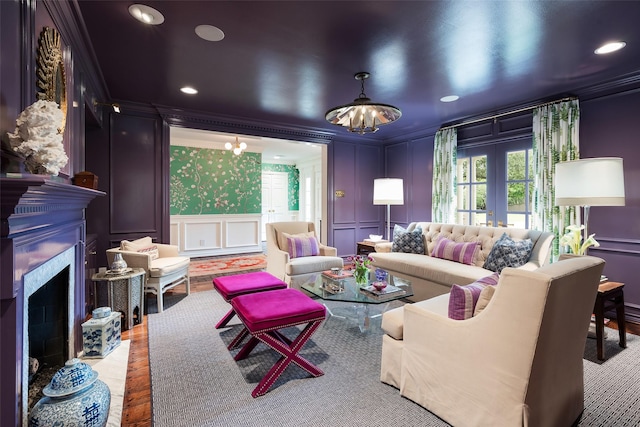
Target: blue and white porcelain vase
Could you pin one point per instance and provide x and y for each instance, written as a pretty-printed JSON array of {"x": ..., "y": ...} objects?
[{"x": 74, "y": 397}]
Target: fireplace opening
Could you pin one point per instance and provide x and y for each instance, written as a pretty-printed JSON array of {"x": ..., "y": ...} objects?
[{"x": 48, "y": 333}]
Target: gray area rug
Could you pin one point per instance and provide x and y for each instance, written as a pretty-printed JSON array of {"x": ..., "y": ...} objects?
[{"x": 196, "y": 382}]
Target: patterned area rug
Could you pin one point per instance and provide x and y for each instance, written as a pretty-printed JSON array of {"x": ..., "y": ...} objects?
[
  {"x": 215, "y": 266},
  {"x": 195, "y": 381}
]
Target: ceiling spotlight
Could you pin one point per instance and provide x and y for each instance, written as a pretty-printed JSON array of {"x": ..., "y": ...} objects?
[
  {"x": 209, "y": 33},
  {"x": 609, "y": 47},
  {"x": 146, "y": 14},
  {"x": 362, "y": 115},
  {"x": 188, "y": 90},
  {"x": 237, "y": 147},
  {"x": 449, "y": 98}
]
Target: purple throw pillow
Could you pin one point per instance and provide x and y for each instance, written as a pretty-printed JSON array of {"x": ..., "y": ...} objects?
[
  {"x": 303, "y": 246},
  {"x": 463, "y": 299},
  {"x": 464, "y": 253}
]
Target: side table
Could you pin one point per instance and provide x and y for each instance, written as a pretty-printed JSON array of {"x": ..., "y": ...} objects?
[
  {"x": 609, "y": 296},
  {"x": 123, "y": 293},
  {"x": 366, "y": 247}
]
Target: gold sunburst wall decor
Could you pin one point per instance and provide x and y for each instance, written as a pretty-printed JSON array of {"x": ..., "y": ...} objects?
[{"x": 51, "y": 79}]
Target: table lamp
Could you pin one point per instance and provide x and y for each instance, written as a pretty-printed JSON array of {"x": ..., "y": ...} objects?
[
  {"x": 388, "y": 191},
  {"x": 590, "y": 182}
]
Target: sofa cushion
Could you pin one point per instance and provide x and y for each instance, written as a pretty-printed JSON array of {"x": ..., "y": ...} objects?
[
  {"x": 393, "y": 320},
  {"x": 507, "y": 252},
  {"x": 164, "y": 266},
  {"x": 282, "y": 239},
  {"x": 302, "y": 246},
  {"x": 464, "y": 252},
  {"x": 312, "y": 264},
  {"x": 463, "y": 299},
  {"x": 428, "y": 268},
  {"x": 151, "y": 251},
  {"x": 407, "y": 241},
  {"x": 136, "y": 245},
  {"x": 483, "y": 299}
]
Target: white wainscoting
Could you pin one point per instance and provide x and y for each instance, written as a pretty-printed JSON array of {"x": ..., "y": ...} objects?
[{"x": 209, "y": 235}]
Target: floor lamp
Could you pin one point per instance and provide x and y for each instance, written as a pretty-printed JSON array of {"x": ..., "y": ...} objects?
[
  {"x": 590, "y": 182},
  {"x": 388, "y": 191}
]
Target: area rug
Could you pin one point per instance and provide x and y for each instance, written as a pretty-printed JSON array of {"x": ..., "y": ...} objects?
[
  {"x": 195, "y": 381},
  {"x": 226, "y": 265}
]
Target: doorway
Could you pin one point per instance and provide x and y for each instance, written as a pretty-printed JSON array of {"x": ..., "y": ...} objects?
[{"x": 275, "y": 206}]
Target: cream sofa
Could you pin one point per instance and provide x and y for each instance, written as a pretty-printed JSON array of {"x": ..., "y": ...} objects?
[
  {"x": 431, "y": 276},
  {"x": 516, "y": 363}
]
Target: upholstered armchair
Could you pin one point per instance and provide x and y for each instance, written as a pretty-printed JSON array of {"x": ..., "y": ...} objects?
[
  {"x": 516, "y": 363},
  {"x": 164, "y": 267},
  {"x": 293, "y": 265}
]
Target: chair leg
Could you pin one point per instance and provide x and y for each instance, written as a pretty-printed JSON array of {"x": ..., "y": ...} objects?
[
  {"x": 160, "y": 305},
  {"x": 622, "y": 325},
  {"x": 227, "y": 317},
  {"x": 188, "y": 284}
]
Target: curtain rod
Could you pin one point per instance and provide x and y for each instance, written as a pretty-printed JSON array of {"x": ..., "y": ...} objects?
[{"x": 508, "y": 113}]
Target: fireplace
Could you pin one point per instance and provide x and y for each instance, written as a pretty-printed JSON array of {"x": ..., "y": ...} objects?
[{"x": 42, "y": 244}]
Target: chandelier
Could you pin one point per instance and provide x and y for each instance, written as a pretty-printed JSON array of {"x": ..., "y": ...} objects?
[
  {"x": 237, "y": 147},
  {"x": 363, "y": 115}
]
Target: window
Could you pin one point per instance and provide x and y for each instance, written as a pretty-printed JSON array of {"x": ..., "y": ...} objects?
[{"x": 494, "y": 184}]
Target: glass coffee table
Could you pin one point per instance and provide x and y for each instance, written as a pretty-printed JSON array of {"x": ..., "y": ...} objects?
[{"x": 346, "y": 290}]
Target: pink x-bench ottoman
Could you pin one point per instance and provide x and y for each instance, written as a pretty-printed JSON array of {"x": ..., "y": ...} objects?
[
  {"x": 264, "y": 314},
  {"x": 230, "y": 287}
]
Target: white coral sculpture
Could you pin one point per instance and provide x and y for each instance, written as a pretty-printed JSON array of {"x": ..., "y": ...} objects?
[{"x": 38, "y": 139}]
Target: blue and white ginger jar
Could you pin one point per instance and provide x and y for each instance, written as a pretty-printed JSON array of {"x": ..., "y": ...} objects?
[{"x": 75, "y": 397}]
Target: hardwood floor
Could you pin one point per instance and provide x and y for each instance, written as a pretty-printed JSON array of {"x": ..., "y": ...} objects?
[{"x": 136, "y": 411}]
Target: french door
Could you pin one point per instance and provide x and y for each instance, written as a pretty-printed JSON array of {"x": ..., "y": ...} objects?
[
  {"x": 274, "y": 198},
  {"x": 494, "y": 184}
]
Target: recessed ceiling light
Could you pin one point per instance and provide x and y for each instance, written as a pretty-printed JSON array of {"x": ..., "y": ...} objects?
[
  {"x": 188, "y": 90},
  {"x": 278, "y": 156},
  {"x": 449, "y": 98},
  {"x": 609, "y": 47},
  {"x": 209, "y": 33},
  {"x": 146, "y": 14}
]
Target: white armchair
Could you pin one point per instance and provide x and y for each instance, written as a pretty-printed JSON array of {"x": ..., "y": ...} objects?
[
  {"x": 164, "y": 267},
  {"x": 516, "y": 363},
  {"x": 295, "y": 271}
]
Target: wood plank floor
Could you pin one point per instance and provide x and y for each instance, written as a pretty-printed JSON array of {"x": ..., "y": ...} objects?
[{"x": 136, "y": 411}]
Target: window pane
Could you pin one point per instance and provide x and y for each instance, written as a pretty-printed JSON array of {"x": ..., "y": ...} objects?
[
  {"x": 480, "y": 169},
  {"x": 463, "y": 197},
  {"x": 463, "y": 170},
  {"x": 479, "y": 219},
  {"x": 462, "y": 218},
  {"x": 516, "y": 197},
  {"x": 516, "y": 220},
  {"x": 516, "y": 165},
  {"x": 479, "y": 197}
]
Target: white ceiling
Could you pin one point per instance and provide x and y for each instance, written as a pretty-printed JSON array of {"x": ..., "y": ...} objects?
[{"x": 291, "y": 152}]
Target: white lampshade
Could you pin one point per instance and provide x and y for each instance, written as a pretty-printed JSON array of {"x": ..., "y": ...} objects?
[
  {"x": 388, "y": 191},
  {"x": 590, "y": 182}
]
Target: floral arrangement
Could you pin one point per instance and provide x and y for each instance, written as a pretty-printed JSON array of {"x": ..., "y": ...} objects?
[
  {"x": 38, "y": 139},
  {"x": 573, "y": 239},
  {"x": 360, "y": 267}
]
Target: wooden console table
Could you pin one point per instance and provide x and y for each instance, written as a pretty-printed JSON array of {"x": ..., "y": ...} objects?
[{"x": 366, "y": 247}]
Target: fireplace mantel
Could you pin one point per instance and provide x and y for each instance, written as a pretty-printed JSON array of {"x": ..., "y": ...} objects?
[{"x": 40, "y": 217}]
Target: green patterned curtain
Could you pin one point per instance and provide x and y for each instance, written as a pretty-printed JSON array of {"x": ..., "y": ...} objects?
[
  {"x": 555, "y": 139},
  {"x": 445, "y": 147}
]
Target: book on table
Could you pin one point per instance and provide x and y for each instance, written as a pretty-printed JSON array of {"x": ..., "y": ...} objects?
[
  {"x": 344, "y": 274},
  {"x": 388, "y": 290}
]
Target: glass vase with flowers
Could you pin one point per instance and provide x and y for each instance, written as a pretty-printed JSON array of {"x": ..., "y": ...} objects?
[{"x": 360, "y": 269}]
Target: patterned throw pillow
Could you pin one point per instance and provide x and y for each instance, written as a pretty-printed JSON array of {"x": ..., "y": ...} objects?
[
  {"x": 302, "y": 246},
  {"x": 463, "y": 299},
  {"x": 409, "y": 242},
  {"x": 464, "y": 253},
  {"x": 151, "y": 250},
  {"x": 507, "y": 252}
]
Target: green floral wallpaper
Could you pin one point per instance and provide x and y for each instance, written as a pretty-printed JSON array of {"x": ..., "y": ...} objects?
[
  {"x": 294, "y": 182},
  {"x": 205, "y": 181}
]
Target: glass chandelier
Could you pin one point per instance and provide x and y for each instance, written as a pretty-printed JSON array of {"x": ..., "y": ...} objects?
[
  {"x": 363, "y": 115},
  {"x": 237, "y": 147}
]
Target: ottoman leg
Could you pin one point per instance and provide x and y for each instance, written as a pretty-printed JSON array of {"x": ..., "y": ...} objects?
[
  {"x": 289, "y": 354},
  {"x": 227, "y": 317}
]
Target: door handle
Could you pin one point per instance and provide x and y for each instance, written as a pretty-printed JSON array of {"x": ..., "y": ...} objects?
[{"x": 501, "y": 224}]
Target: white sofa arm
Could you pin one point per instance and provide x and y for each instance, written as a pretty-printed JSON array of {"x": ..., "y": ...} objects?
[
  {"x": 384, "y": 247},
  {"x": 165, "y": 251},
  {"x": 133, "y": 259},
  {"x": 327, "y": 250},
  {"x": 276, "y": 262}
]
